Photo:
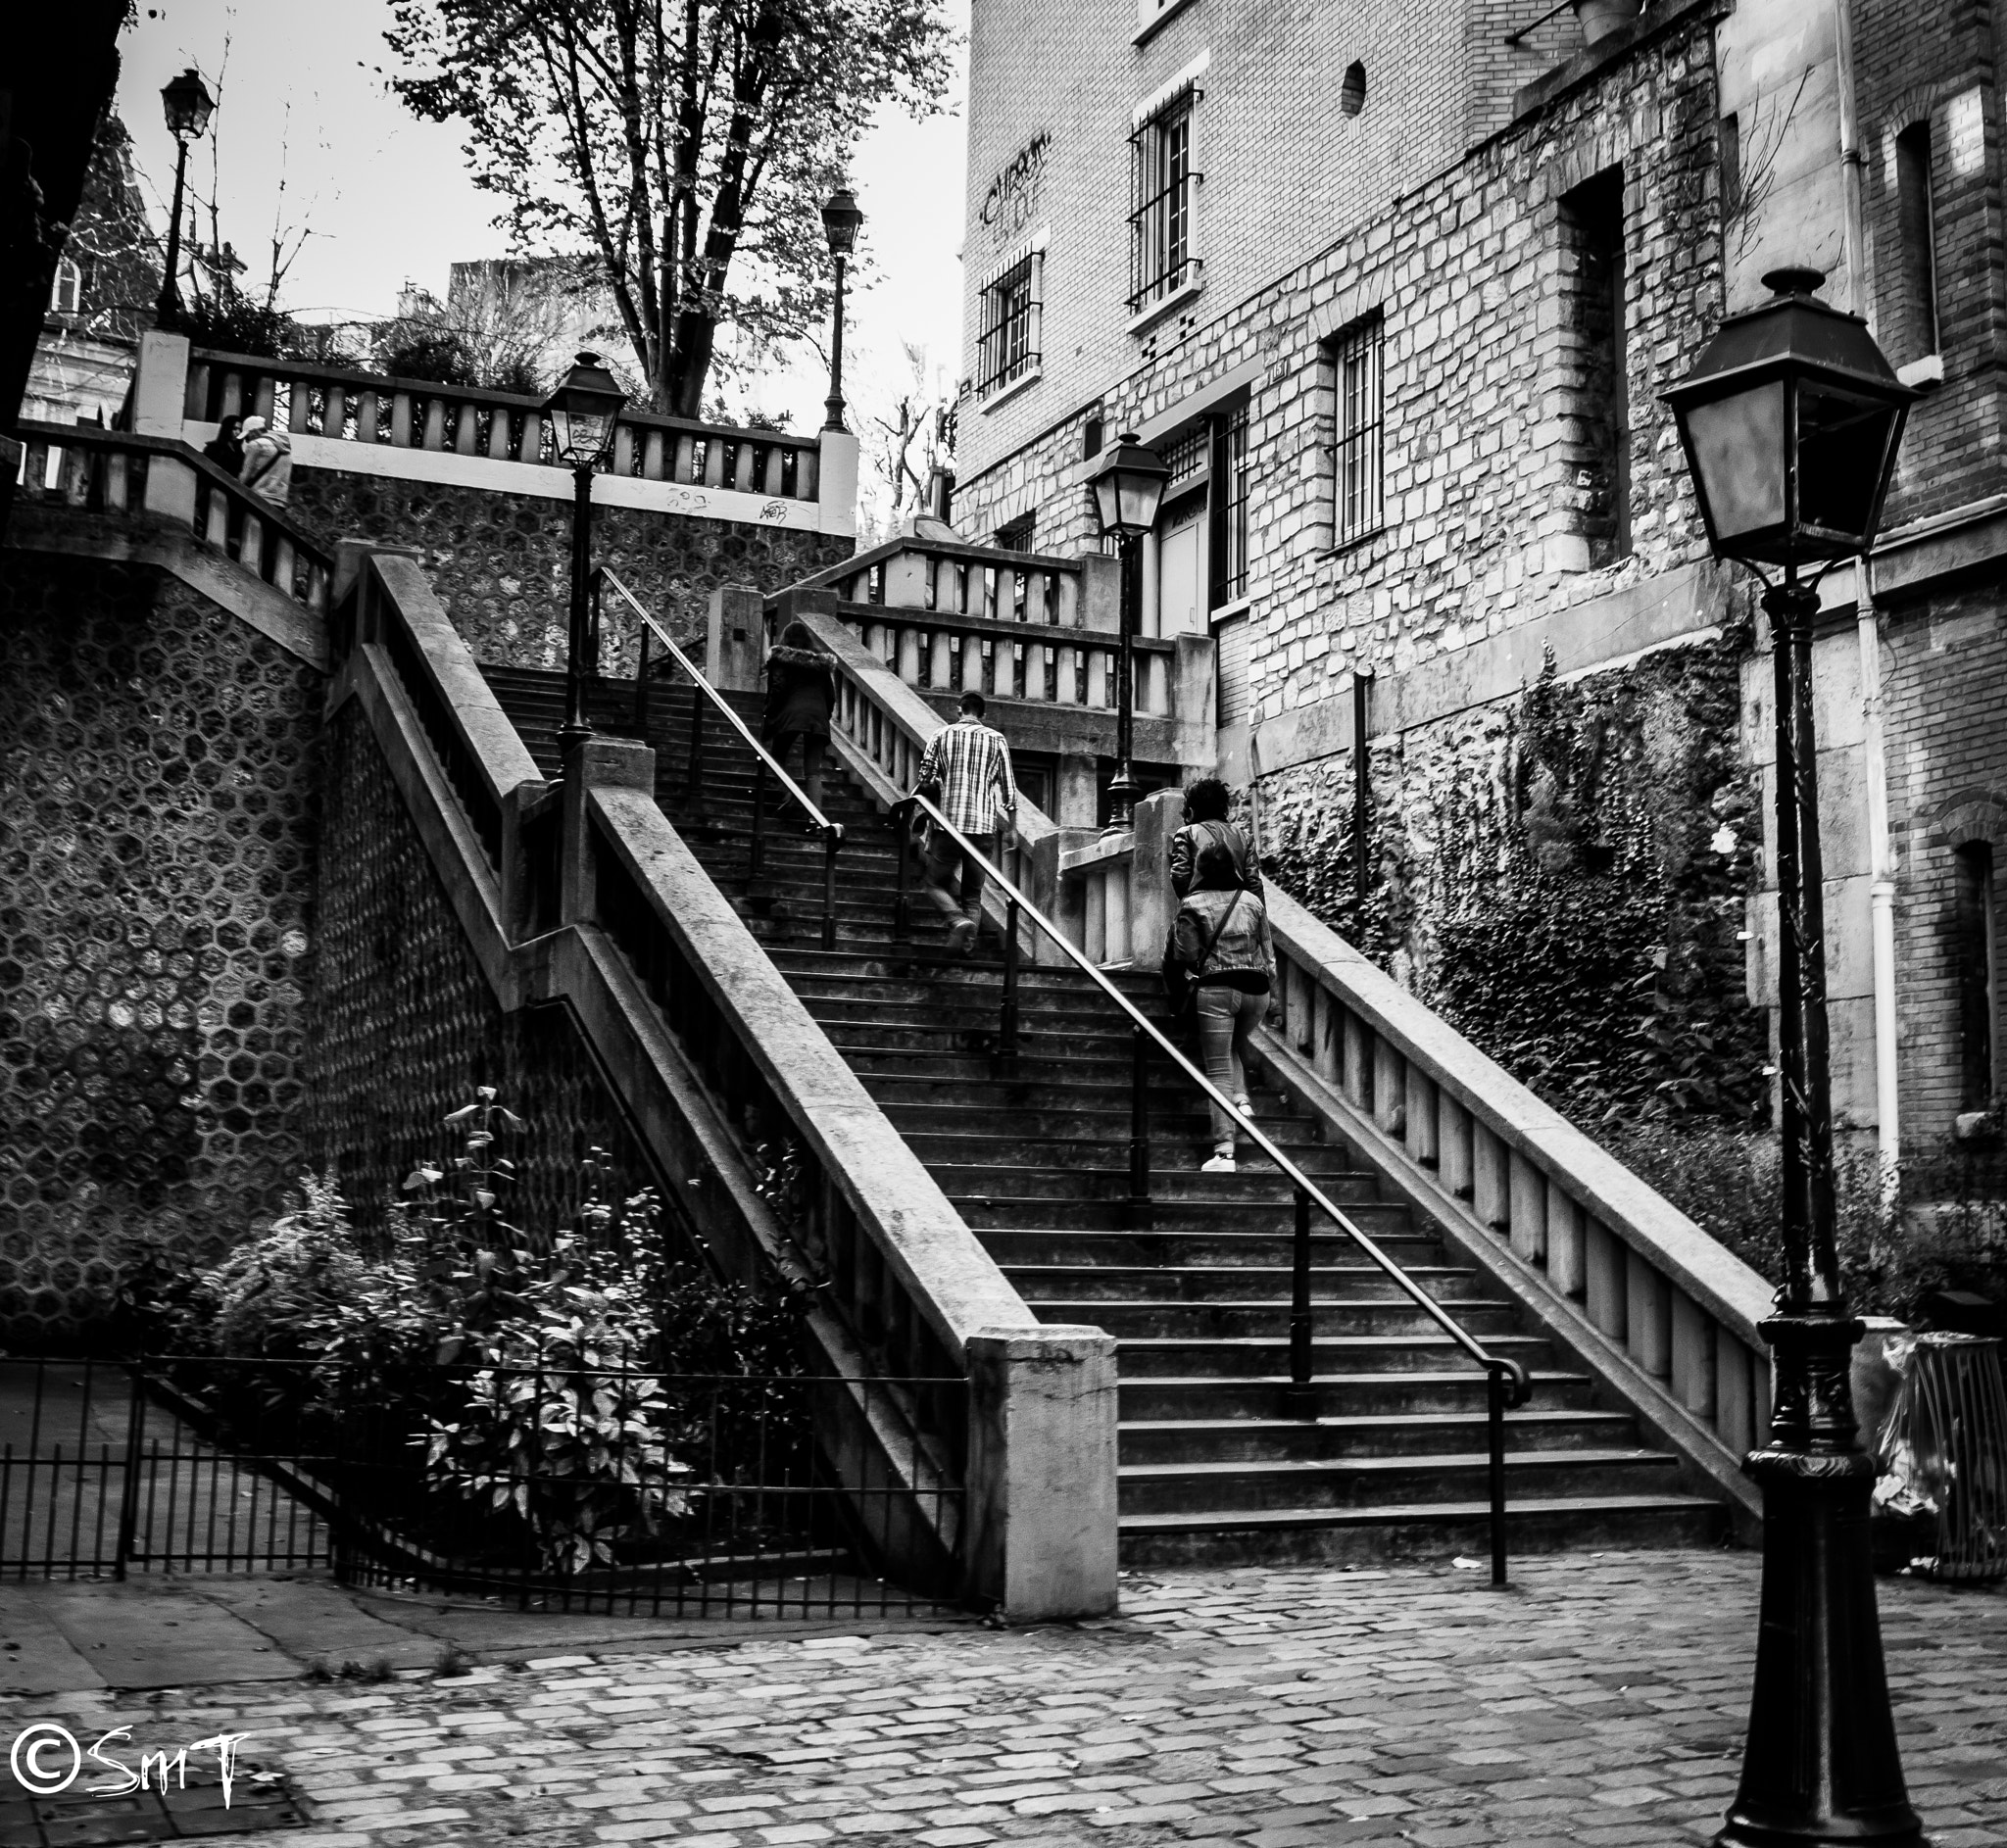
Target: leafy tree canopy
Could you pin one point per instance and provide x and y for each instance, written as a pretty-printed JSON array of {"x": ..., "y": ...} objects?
[{"x": 689, "y": 143}]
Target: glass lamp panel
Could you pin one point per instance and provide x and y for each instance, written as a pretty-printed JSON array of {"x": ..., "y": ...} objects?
[
  {"x": 1141, "y": 495},
  {"x": 1737, "y": 444},
  {"x": 1107, "y": 504},
  {"x": 1843, "y": 445},
  {"x": 590, "y": 430},
  {"x": 561, "y": 422}
]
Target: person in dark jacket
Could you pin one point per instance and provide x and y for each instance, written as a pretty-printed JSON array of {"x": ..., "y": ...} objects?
[
  {"x": 1221, "y": 935},
  {"x": 226, "y": 447},
  {"x": 1206, "y": 825},
  {"x": 801, "y": 688}
]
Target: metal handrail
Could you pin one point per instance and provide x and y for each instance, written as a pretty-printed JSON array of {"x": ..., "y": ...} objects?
[
  {"x": 765, "y": 761},
  {"x": 1508, "y": 1384}
]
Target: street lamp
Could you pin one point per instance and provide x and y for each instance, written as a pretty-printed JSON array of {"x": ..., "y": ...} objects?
[
  {"x": 584, "y": 407},
  {"x": 1791, "y": 419},
  {"x": 187, "y": 105},
  {"x": 840, "y": 220},
  {"x": 1128, "y": 490}
]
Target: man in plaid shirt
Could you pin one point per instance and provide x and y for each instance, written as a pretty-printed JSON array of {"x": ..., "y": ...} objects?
[{"x": 970, "y": 763}]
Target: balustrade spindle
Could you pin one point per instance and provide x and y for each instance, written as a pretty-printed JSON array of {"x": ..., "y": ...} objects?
[
  {"x": 283, "y": 563},
  {"x": 1452, "y": 1144},
  {"x": 467, "y": 430},
  {"x": 1606, "y": 1289},
  {"x": 1358, "y": 1062},
  {"x": 195, "y": 402},
  {"x": 808, "y": 474},
  {"x": 334, "y": 412},
  {"x": 263, "y": 396},
  {"x": 217, "y": 531},
  {"x": 623, "y": 449},
  {"x": 1390, "y": 1087},
  {"x": 230, "y": 402},
  {"x": 1565, "y": 1257},
  {"x": 435, "y": 423},
  {"x": 741, "y": 472},
  {"x": 365, "y": 416},
  {"x": 652, "y": 457},
  {"x": 1528, "y": 1208},
  {"x": 401, "y": 419},
  {"x": 498, "y": 433},
  {"x": 115, "y": 492},
  {"x": 1139, "y": 1211},
  {"x": 1491, "y": 1190},
  {"x": 713, "y": 462},
  {"x": 1647, "y": 1316},
  {"x": 1420, "y": 1106},
  {"x": 300, "y": 408}
]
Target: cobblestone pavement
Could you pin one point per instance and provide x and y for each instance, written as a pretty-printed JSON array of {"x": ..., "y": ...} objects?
[{"x": 1601, "y": 1701}]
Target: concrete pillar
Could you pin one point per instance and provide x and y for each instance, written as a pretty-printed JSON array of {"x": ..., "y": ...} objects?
[
  {"x": 160, "y": 386},
  {"x": 836, "y": 493},
  {"x": 1042, "y": 1472},
  {"x": 597, "y": 763},
  {"x": 1153, "y": 905},
  {"x": 171, "y": 489},
  {"x": 1100, "y": 592},
  {"x": 734, "y": 639},
  {"x": 1194, "y": 702},
  {"x": 1076, "y": 801}
]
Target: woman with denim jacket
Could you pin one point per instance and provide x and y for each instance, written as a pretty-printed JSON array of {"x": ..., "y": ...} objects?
[{"x": 1221, "y": 935}]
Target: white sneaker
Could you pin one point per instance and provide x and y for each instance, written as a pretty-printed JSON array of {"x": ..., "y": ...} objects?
[
  {"x": 1219, "y": 1164},
  {"x": 1245, "y": 1104},
  {"x": 961, "y": 936}
]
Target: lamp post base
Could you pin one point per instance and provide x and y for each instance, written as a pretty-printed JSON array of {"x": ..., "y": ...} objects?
[
  {"x": 1820, "y": 1762},
  {"x": 570, "y": 735}
]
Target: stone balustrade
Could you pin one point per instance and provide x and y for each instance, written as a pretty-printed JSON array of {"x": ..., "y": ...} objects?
[
  {"x": 584, "y": 892},
  {"x": 114, "y": 472},
  {"x": 423, "y": 430},
  {"x": 1653, "y": 1308}
]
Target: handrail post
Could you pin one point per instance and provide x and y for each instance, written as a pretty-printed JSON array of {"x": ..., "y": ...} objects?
[
  {"x": 1494, "y": 1391},
  {"x": 1139, "y": 1207},
  {"x": 693, "y": 780},
  {"x": 831, "y": 841},
  {"x": 902, "y": 906},
  {"x": 129, "y": 1498},
  {"x": 1007, "y": 1035},
  {"x": 1303, "y": 1400},
  {"x": 756, "y": 882},
  {"x": 641, "y": 687}
]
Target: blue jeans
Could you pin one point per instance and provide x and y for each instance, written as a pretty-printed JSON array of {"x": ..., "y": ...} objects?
[
  {"x": 945, "y": 860},
  {"x": 1227, "y": 1019}
]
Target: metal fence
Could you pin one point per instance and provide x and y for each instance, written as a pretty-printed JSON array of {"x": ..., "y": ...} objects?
[{"x": 579, "y": 1488}]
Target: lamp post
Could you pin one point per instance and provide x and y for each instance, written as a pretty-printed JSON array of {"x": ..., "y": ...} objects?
[
  {"x": 840, "y": 220},
  {"x": 187, "y": 105},
  {"x": 1791, "y": 419},
  {"x": 1128, "y": 490},
  {"x": 583, "y": 407}
]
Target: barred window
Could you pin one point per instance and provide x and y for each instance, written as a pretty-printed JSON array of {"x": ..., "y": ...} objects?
[
  {"x": 1160, "y": 215},
  {"x": 1359, "y": 449},
  {"x": 1015, "y": 535},
  {"x": 1230, "y": 506},
  {"x": 1007, "y": 348}
]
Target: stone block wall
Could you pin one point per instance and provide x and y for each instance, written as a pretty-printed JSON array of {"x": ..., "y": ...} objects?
[
  {"x": 1945, "y": 689},
  {"x": 157, "y": 839},
  {"x": 502, "y": 562},
  {"x": 403, "y": 1027},
  {"x": 1934, "y": 64},
  {"x": 1485, "y": 525}
]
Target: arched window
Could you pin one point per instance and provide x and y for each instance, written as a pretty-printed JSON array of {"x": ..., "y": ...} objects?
[
  {"x": 66, "y": 297},
  {"x": 1351, "y": 93},
  {"x": 1976, "y": 934}
]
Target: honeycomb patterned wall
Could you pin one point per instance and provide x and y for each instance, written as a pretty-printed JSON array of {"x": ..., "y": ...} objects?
[
  {"x": 404, "y": 1025},
  {"x": 502, "y": 562},
  {"x": 157, "y": 843}
]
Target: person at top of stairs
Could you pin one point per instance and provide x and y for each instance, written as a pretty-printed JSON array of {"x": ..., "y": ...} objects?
[
  {"x": 1206, "y": 825},
  {"x": 801, "y": 688},
  {"x": 965, "y": 771},
  {"x": 1221, "y": 935}
]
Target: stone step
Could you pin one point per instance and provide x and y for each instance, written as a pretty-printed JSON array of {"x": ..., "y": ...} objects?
[
  {"x": 1328, "y": 1536},
  {"x": 1268, "y": 1322},
  {"x": 1112, "y": 1148},
  {"x": 1175, "y": 1245},
  {"x": 1461, "y": 1389},
  {"x": 1414, "y": 1433},
  {"x": 1379, "y": 1220},
  {"x": 1266, "y": 1186},
  {"x": 1305, "y": 1484},
  {"x": 1065, "y": 1284},
  {"x": 1342, "y": 1356},
  {"x": 1035, "y": 978}
]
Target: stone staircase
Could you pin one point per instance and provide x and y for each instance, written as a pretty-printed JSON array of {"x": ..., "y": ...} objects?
[{"x": 1213, "y": 1466}]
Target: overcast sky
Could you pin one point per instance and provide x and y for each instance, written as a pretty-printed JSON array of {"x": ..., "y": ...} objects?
[{"x": 307, "y": 133}]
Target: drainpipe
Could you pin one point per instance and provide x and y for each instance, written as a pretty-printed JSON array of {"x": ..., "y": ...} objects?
[{"x": 1881, "y": 861}]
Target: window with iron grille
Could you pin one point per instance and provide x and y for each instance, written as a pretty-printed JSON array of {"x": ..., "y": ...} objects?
[
  {"x": 1230, "y": 506},
  {"x": 1160, "y": 214},
  {"x": 1359, "y": 450},
  {"x": 1008, "y": 349},
  {"x": 1015, "y": 535}
]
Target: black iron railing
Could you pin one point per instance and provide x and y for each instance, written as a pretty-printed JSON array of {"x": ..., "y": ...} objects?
[
  {"x": 703, "y": 696},
  {"x": 715, "y": 1495},
  {"x": 1507, "y": 1383}
]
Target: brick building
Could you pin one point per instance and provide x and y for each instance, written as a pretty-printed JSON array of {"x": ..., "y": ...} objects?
[{"x": 1395, "y": 288}]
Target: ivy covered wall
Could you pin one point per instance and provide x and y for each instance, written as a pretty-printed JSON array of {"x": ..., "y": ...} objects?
[{"x": 1563, "y": 875}]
